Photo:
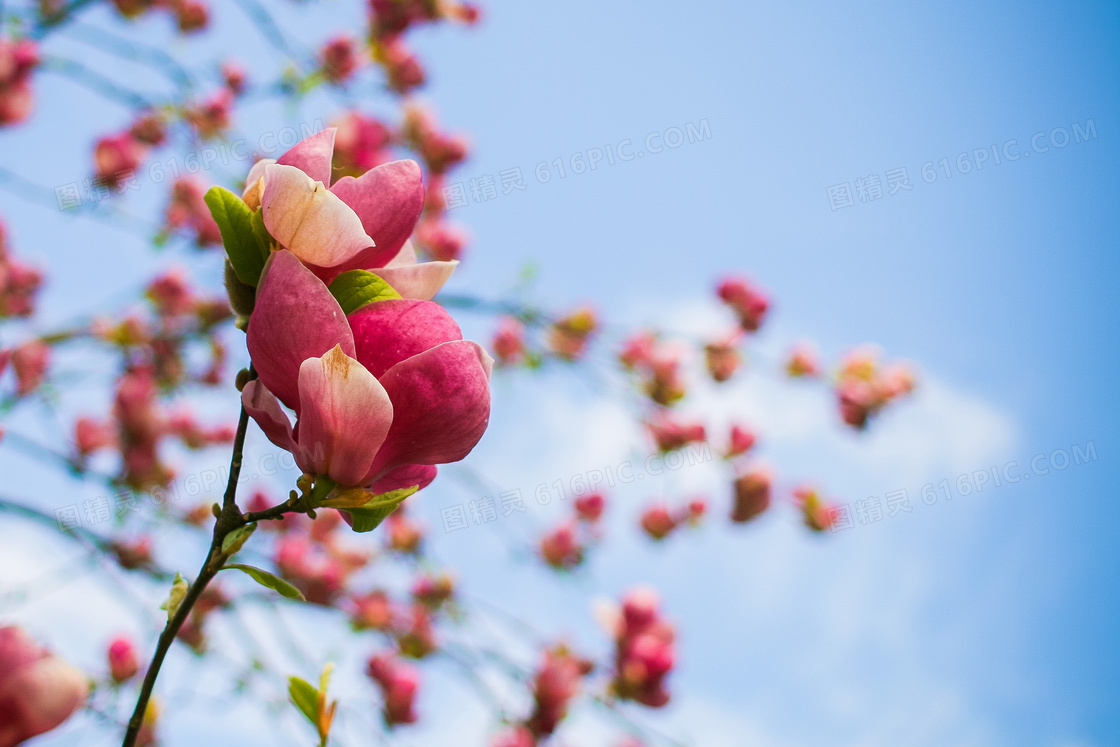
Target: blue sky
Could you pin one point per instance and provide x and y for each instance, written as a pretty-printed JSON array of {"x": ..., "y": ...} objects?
[{"x": 987, "y": 621}]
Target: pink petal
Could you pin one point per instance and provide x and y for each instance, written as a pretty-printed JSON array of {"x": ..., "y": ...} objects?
[
  {"x": 421, "y": 281},
  {"x": 405, "y": 477},
  {"x": 295, "y": 318},
  {"x": 389, "y": 200},
  {"x": 441, "y": 406},
  {"x": 345, "y": 415},
  {"x": 312, "y": 155},
  {"x": 309, "y": 219},
  {"x": 388, "y": 332},
  {"x": 406, "y": 256},
  {"x": 264, "y": 408},
  {"x": 254, "y": 183}
]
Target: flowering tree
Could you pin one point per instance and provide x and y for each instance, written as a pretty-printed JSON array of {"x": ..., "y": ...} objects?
[{"x": 334, "y": 256}]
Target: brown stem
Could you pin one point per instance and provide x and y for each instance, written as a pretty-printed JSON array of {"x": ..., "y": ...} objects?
[{"x": 229, "y": 519}]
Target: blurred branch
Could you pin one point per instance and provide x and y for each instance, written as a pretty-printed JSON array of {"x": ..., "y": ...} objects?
[
  {"x": 134, "y": 51},
  {"x": 95, "y": 81}
]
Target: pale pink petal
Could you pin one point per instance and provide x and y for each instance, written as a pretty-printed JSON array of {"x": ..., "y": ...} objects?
[
  {"x": 312, "y": 155},
  {"x": 421, "y": 281},
  {"x": 345, "y": 415},
  {"x": 389, "y": 200},
  {"x": 254, "y": 183},
  {"x": 264, "y": 408},
  {"x": 405, "y": 477},
  {"x": 441, "y": 406},
  {"x": 295, "y": 318},
  {"x": 388, "y": 332},
  {"x": 406, "y": 256},
  {"x": 308, "y": 219}
]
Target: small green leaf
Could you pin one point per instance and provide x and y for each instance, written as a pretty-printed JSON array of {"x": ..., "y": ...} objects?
[
  {"x": 179, "y": 589},
  {"x": 305, "y": 697},
  {"x": 236, "y": 539},
  {"x": 264, "y": 578},
  {"x": 264, "y": 238},
  {"x": 356, "y": 288},
  {"x": 325, "y": 677},
  {"x": 367, "y": 517},
  {"x": 241, "y": 240}
]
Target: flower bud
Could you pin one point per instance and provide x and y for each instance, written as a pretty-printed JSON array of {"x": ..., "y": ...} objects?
[
  {"x": 398, "y": 682},
  {"x": 590, "y": 507},
  {"x": 740, "y": 442},
  {"x": 752, "y": 495},
  {"x": 509, "y": 341},
  {"x": 748, "y": 303},
  {"x": 803, "y": 362},
  {"x": 657, "y": 522},
  {"x": 561, "y": 547},
  {"x": 30, "y": 361},
  {"x": 722, "y": 359},
  {"x": 339, "y": 59},
  {"x": 123, "y": 661}
]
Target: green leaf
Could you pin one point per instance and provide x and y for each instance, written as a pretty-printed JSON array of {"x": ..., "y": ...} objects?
[
  {"x": 305, "y": 697},
  {"x": 233, "y": 541},
  {"x": 264, "y": 578},
  {"x": 366, "y": 518},
  {"x": 356, "y": 288},
  {"x": 325, "y": 677},
  {"x": 179, "y": 589},
  {"x": 241, "y": 239}
]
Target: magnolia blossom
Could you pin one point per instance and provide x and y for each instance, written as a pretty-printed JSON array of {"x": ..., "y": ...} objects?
[
  {"x": 644, "y": 653},
  {"x": 398, "y": 682},
  {"x": 354, "y": 224},
  {"x": 38, "y": 691},
  {"x": 657, "y": 522},
  {"x": 557, "y": 681},
  {"x": 380, "y": 396},
  {"x": 590, "y": 507},
  {"x": 740, "y": 441}
]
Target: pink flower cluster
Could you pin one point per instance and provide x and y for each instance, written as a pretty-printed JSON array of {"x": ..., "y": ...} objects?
[
  {"x": 187, "y": 213},
  {"x": 659, "y": 366},
  {"x": 116, "y": 157},
  {"x": 863, "y": 387},
  {"x": 817, "y": 513},
  {"x": 564, "y": 546},
  {"x": 644, "y": 649}
]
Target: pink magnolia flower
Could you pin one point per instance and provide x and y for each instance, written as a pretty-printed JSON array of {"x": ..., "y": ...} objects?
[
  {"x": 355, "y": 224},
  {"x": 118, "y": 156},
  {"x": 124, "y": 662},
  {"x": 638, "y": 350},
  {"x": 590, "y": 507},
  {"x": 644, "y": 653},
  {"x": 803, "y": 362},
  {"x": 187, "y": 211},
  {"x": 149, "y": 128},
  {"x": 17, "y": 60},
  {"x": 557, "y": 681},
  {"x": 380, "y": 396},
  {"x": 404, "y": 534},
  {"x": 817, "y": 514},
  {"x": 233, "y": 74},
  {"x": 372, "y": 611},
  {"x": 398, "y": 682},
  {"x": 671, "y": 434},
  {"x": 30, "y": 361},
  {"x": 722, "y": 358},
  {"x": 440, "y": 239},
  {"x": 360, "y": 144},
  {"x": 339, "y": 59},
  {"x": 657, "y": 522},
  {"x": 748, "y": 303},
  {"x": 752, "y": 495},
  {"x": 740, "y": 442},
  {"x": 509, "y": 341},
  {"x": 561, "y": 547},
  {"x": 38, "y": 691}
]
